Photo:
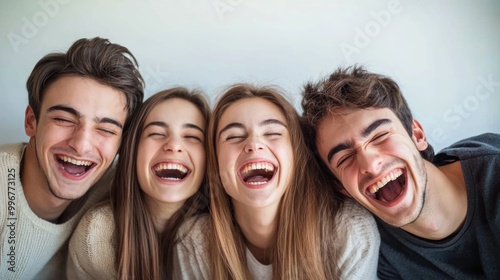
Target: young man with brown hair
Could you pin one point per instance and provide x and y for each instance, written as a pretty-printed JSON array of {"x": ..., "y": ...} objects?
[
  {"x": 438, "y": 216},
  {"x": 79, "y": 106}
]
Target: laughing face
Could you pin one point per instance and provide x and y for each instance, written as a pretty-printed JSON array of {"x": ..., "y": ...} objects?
[
  {"x": 254, "y": 152},
  {"x": 376, "y": 161},
  {"x": 171, "y": 154},
  {"x": 76, "y": 136}
]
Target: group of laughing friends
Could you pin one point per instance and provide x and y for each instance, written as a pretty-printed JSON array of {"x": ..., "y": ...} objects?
[{"x": 244, "y": 189}]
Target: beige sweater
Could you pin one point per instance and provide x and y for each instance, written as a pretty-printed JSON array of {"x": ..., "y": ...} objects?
[
  {"x": 92, "y": 248},
  {"x": 31, "y": 247},
  {"x": 358, "y": 260}
]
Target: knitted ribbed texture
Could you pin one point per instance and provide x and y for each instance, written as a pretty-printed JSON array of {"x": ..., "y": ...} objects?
[
  {"x": 31, "y": 247},
  {"x": 358, "y": 260},
  {"x": 92, "y": 248}
]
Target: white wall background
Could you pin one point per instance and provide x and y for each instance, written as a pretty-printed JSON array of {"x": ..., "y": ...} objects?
[{"x": 444, "y": 54}]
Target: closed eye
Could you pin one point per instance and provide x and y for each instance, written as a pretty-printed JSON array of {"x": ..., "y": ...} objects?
[
  {"x": 155, "y": 134},
  {"x": 107, "y": 131},
  {"x": 234, "y": 137},
  {"x": 61, "y": 120},
  {"x": 344, "y": 159},
  {"x": 193, "y": 137},
  {"x": 379, "y": 137}
]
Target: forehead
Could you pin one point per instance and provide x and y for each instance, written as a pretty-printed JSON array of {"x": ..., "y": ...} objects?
[
  {"x": 351, "y": 122},
  {"x": 251, "y": 110},
  {"x": 176, "y": 110},
  {"x": 84, "y": 94}
]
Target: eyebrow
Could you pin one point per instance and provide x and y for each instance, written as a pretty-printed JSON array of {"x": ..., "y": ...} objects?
[
  {"x": 348, "y": 144},
  {"x": 165, "y": 125},
  {"x": 78, "y": 115},
  {"x": 240, "y": 125}
]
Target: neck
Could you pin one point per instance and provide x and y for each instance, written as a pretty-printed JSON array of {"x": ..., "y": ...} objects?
[
  {"x": 37, "y": 190},
  {"x": 445, "y": 205},
  {"x": 162, "y": 212},
  {"x": 259, "y": 225}
]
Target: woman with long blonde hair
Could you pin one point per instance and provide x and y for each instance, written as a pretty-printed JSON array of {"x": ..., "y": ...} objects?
[{"x": 273, "y": 215}]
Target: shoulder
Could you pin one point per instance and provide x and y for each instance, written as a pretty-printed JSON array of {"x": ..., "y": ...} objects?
[
  {"x": 92, "y": 248},
  {"x": 194, "y": 229},
  {"x": 191, "y": 258},
  {"x": 358, "y": 258},
  {"x": 95, "y": 231},
  {"x": 11, "y": 148},
  {"x": 11, "y": 152},
  {"x": 487, "y": 144},
  {"x": 358, "y": 226},
  {"x": 354, "y": 216}
]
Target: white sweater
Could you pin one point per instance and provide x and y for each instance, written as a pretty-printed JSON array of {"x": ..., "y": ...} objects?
[
  {"x": 358, "y": 260},
  {"x": 31, "y": 247}
]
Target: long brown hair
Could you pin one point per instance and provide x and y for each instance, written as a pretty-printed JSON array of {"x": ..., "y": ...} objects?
[
  {"x": 305, "y": 246},
  {"x": 144, "y": 253}
]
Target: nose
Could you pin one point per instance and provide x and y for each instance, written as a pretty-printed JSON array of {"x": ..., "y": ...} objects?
[
  {"x": 253, "y": 144},
  {"x": 369, "y": 161},
  {"x": 81, "y": 140},
  {"x": 172, "y": 145}
]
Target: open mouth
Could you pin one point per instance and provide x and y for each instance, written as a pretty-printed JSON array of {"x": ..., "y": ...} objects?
[
  {"x": 171, "y": 171},
  {"x": 73, "y": 166},
  {"x": 388, "y": 188},
  {"x": 257, "y": 173}
]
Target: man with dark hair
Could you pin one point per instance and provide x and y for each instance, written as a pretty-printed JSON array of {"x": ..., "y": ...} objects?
[
  {"x": 438, "y": 216},
  {"x": 80, "y": 103}
]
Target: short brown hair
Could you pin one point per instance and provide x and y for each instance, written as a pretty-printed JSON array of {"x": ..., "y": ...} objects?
[
  {"x": 109, "y": 64},
  {"x": 355, "y": 88}
]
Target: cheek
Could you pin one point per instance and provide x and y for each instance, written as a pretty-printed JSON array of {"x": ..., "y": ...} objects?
[
  {"x": 198, "y": 158},
  {"x": 285, "y": 154},
  {"x": 108, "y": 147},
  {"x": 225, "y": 159},
  {"x": 52, "y": 135}
]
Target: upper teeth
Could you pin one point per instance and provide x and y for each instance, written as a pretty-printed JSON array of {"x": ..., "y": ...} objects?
[
  {"x": 389, "y": 177},
  {"x": 259, "y": 165},
  {"x": 176, "y": 166},
  {"x": 74, "y": 161}
]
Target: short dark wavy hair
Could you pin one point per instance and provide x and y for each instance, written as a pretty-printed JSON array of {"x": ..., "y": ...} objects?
[
  {"x": 109, "y": 64},
  {"x": 354, "y": 88}
]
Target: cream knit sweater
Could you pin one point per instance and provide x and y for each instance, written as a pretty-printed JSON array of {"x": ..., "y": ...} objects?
[
  {"x": 358, "y": 260},
  {"x": 30, "y": 247},
  {"x": 92, "y": 248}
]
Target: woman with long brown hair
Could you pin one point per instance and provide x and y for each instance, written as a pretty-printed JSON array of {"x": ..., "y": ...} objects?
[
  {"x": 273, "y": 215},
  {"x": 160, "y": 181}
]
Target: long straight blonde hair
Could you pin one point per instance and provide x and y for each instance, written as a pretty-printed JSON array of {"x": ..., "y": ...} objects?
[
  {"x": 144, "y": 253},
  {"x": 305, "y": 247}
]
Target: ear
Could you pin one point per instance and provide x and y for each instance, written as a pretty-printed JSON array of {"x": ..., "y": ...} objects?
[
  {"x": 418, "y": 136},
  {"x": 29, "y": 122}
]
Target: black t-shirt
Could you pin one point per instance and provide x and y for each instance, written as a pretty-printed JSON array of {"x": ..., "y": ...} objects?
[{"x": 474, "y": 251}]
